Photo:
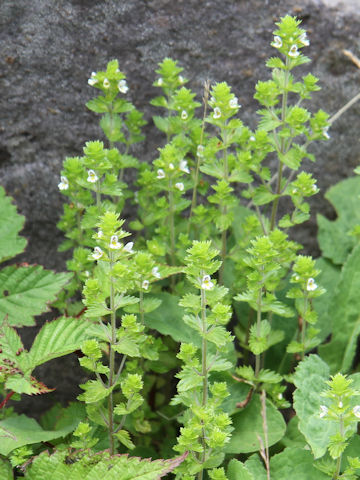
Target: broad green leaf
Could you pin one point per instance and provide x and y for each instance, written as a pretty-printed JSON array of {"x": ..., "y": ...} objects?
[
  {"x": 62, "y": 418},
  {"x": 293, "y": 436},
  {"x": 10, "y": 224},
  {"x": 25, "y": 431},
  {"x": 161, "y": 123},
  {"x": 328, "y": 278},
  {"x": 309, "y": 378},
  {"x": 344, "y": 311},
  {"x": 101, "y": 466},
  {"x": 94, "y": 391},
  {"x": 168, "y": 320},
  {"x": 27, "y": 291},
  {"x": 295, "y": 463},
  {"x": 58, "y": 338},
  {"x": 237, "y": 471},
  {"x": 248, "y": 427},
  {"x": 124, "y": 437},
  {"x": 333, "y": 236},
  {"x": 256, "y": 467},
  {"x": 6, "y": 471},
  {"x": 98, "y": 105}
]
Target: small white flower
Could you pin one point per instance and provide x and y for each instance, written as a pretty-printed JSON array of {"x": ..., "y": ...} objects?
[
  {"x": 293, "y": 52},
  {"x": 217, "y": 113},
  {"x": 296, "y": 277},
  {"x": 145, "y": 284},
  {"x": 155, "y": 272},
  {"x": 100, "y": 234},
  {"x": 212, "y": 100},
  {"x": 234, "y": 103},
  {"x": 92, "y": 177},
  {"x": 184, "y": 166},
  {"x": 323, "y": 411},
  {"x": 122, "y": 86},
  {"x": 184, "y": 115},
  {"x": 314, "y": 187},
  {"x": 280, "y": 396},
  {"x": 117, "y": 71},
  {"x": 181, "y": 79},
  {"x": 92, "y": 81},
  {"x": 294, "y": 191},
  {"x": 304, "y": 40},
  {"x": 98, "y": 253},
  {"x": 160, "y": 82},
  {"x": 206, "y": 283},
  {"x": 200, "y": 151},
  {"x": 87, "y": 273},
  {"x": 114, "y": 243},
  {"x": 129, "y": 247},
  {"x": 252, "y": 138},
  {"x": 277, "y": 43},
  {"x": 341, "y": 404},
  {"x": 160, "y": 173},
  {"x": 64, "y": 184},
  {"x": 171, "y": 166},
  {"x": 356, "y": 411},
  {"x": 311, "y": 285},
  {"x": 326, "y": 133},
  {"x": 106, "y": 83},
  {"x": 179, "y": 186}
]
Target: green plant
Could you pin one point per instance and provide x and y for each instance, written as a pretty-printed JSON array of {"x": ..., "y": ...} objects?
[{"x": 208, "y": 262}]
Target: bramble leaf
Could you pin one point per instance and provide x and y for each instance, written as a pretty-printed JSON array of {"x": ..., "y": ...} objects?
[{"x": 27, "y": 291}]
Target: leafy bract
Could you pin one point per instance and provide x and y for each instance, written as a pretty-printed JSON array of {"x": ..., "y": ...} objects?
[
  {"x": 10, "y": 224},
  {"x": 27, "y": 291},
  {"x": 102, "y": 465},
  {"x": 334, "y": 239},
  {"x": 344, "y": 311},
  {"x": 309, "y": 378},
  {"x": 248, "y": 427}
]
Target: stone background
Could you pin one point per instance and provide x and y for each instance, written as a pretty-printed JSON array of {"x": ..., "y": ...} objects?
[{"x": 48, "y": 50}]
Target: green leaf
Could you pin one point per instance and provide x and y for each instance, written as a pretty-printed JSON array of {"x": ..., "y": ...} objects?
[
  {"x": 6, "y": 471},
  {"x": 248, "y": 426},
  {"x": 10, "y": 225},
  {"x": 98, "y": 105},
  {"x": 168, "y": 320},
  {"x": 56, "y": 339},
  {"x": 25, "y": 431},
  {"x": 124, "y": 437},
  {"x": 262, "y": 196},
  {"x": 94, "y": 391},
  {"x": 309, "y": 378},
  {"x": 237, "y": 471},
  {"x": 161, "y": 123},
  {"x": 295, "y": 463},
  {"x": 256, "y": 467},
  {"x": 27, "y": 291},
  {"x": 344, "y": 312},
  {"x": 127, "y": 346},
  {"x": 118, "y": 467},
  {"x": 333, "y": 238}
]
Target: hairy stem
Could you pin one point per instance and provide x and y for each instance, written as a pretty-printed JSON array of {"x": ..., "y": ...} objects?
[
  {"x": 258, "y": 331},
  {"x": 112, "y": 361}
]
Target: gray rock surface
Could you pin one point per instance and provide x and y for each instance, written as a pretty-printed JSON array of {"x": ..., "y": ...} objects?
[{"x": 48, "y": 50}]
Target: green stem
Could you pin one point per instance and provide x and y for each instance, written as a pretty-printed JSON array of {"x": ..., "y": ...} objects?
[
  {"x": 112, "y": 360},
  {"x": 303, "y": 326},
  {"x": 223, "y": 212},
  {"x": 338, "y": 462},
  {"x": 98, "y": 194},
  {"x": 198, "y": 158},
  {"x": 204, "y": 373},
  {"x": 172, "y": 233},
  {"x": 258, "y": 331},
  {"x": 282, "y": 149},
  {"x": 141, "y": 306}
]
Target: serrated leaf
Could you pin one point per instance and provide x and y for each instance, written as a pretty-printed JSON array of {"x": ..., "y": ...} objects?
[
  {"x": 11, "y": 223},
  {"x": 98, "y": 105},
  {"x": 237, "y": 471},
  {"x": 256, "y": 467},
  {"x": 248, "y": 426},
  {"x": 127, "y": 346},
  {"x": 344, "y": 311},
  {"x": 27, "y": 291},
  {"x": 94, "y": 391},
  {"x": 149, "y": 304},
  {"x": 295, "y": 463},
  {"x": 262, "y": 196},
  {"x": 161, "y": 123},
  {"x": 117, "y": 467},
  {"x": 333, "y": 238},
  {"x": 124, "y": 437},
  {"x": 309, "y": 378},
  {"x": 56, "y": 339}
]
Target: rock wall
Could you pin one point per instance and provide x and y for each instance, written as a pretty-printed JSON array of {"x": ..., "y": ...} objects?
[{"x": 50, "y": 48}]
